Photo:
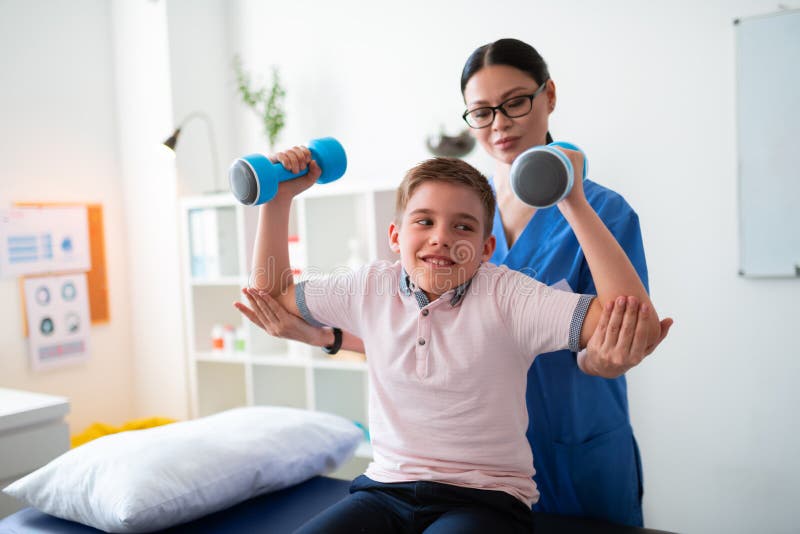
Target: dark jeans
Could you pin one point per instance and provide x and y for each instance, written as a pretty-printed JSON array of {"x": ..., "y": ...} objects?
[{"x": 430, "y": 507}]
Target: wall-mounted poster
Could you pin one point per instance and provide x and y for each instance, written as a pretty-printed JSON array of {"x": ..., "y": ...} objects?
[
  {"x": 96, "y": 277},
  {"x": 58, "y": 320},
  {"x": 44, "y": 240}
]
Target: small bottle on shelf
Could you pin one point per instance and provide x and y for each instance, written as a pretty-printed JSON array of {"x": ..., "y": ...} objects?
[
  {"x": 239, "y": 343},
  {"x": 217, "y": 339},
  {"x": 229, "y": 337},
  {"x": 297, "y": 259}
]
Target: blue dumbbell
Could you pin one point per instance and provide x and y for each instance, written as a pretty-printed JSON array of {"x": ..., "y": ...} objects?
[
  {"x": 543, "y": 175},
  {"x": 254, "y": 178}
]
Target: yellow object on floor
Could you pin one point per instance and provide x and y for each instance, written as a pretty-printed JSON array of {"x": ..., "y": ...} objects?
[{"x": 98, "y": 430}]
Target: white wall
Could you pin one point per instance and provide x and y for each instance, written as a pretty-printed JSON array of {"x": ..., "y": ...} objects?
[
  {"x": 58, "y": 142},
  {"x": 149, "y": 184},
  {"x": 647, "y": 88},
  {"x": 202, "y": 80},
  {"x": 86, "y": 101}
]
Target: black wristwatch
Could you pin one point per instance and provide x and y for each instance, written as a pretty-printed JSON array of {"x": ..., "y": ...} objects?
[{"x": 337, "y": 342}]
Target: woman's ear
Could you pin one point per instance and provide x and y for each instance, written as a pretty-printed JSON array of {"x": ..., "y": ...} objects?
[
  {"x": 551, "y": 95},
  {"x": 394, "y": 237}
]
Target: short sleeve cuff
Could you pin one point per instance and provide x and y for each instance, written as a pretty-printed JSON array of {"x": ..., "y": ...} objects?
[
  {"x": 300, "y": 300},
  {"x": 576, "y": 324}
]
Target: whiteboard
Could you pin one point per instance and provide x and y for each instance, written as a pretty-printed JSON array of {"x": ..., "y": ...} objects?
[{"x": 768, "y": 126}]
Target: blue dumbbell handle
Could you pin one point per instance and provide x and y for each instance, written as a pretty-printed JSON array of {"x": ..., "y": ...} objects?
[
  {"x": 254, "y": 178},
  {"x": 276, "y": 170},
  {"x": 566, "y": 160}
]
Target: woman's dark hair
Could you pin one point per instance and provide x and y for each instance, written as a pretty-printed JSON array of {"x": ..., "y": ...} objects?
[{"x": 511, "y": 52}]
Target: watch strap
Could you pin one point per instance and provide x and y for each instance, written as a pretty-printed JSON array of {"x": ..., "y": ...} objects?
[{"x": 337, "y": 342}]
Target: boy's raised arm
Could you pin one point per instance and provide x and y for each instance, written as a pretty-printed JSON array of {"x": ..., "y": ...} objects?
[
  {"x": 613, "y": 274},
  {"x": 271, "y": 271}
]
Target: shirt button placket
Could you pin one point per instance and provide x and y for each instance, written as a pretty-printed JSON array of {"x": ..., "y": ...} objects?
[{"x": 423, "y": 343}]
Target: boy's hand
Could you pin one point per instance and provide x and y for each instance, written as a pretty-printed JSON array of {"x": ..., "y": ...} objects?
[
  {"x": 618, "y": 342},
  {"x": 295, "y": 160},
  {"x": 577, "y": 160}
]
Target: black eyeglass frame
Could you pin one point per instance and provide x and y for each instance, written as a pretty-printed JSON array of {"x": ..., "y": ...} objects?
[{"x": 500, "y": 107}]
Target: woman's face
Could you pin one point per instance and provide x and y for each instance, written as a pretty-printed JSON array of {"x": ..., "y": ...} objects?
[{"x": 506, "y": 138}]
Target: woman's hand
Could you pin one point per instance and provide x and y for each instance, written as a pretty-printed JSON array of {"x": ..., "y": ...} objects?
[
  {"x": 295, "y": 160},
  {"x": 619, "y": 341},
  {"x": 266, "y": 313}
]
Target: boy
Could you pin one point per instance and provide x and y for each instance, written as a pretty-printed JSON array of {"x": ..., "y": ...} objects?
[{"x": 450, "y": 339}]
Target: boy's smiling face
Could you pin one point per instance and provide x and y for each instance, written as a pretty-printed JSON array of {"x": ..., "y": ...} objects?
[{"x": 441, "y": 237}]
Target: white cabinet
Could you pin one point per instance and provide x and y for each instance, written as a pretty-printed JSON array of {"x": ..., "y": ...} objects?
[
  {"x": 329, "y": 225},
  {"x": 32, "y": 432}
]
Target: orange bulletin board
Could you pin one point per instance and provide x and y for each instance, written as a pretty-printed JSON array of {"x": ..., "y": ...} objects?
[{"x": 97, "y": 277}]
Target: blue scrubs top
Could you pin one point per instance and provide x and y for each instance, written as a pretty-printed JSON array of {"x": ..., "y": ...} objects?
[{"x": 586, "y": 458}]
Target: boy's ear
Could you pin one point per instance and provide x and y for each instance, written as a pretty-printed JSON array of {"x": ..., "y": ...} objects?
[
  {"x": 488, "y": 248},
  {"x": 394, "y": 239}
]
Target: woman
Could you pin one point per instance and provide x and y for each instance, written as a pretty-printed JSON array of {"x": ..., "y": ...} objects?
[{"x": 586, "y": 458}]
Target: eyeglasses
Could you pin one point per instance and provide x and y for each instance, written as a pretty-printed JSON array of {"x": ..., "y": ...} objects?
[{"x": 514, "y": 107}]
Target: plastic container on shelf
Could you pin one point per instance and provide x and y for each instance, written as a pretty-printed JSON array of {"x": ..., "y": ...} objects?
[
  {"x": 239, "y": 342},
  {"x": 297, "y": 255},
  {"x": 217, "y": 339},
  {"x": 228, "y": 339}
]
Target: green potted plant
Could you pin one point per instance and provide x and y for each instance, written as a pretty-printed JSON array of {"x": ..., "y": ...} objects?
[{"x": 266, "y": 102}]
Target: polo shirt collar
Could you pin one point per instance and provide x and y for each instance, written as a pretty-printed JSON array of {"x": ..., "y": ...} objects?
[{"x": 408, "y": 288}]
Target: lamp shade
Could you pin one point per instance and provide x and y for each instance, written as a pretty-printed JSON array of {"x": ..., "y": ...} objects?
[{"x": 172, "y": 140}]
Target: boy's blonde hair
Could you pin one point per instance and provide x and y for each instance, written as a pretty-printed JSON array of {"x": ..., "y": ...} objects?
[{"x": 450, "y": 171}]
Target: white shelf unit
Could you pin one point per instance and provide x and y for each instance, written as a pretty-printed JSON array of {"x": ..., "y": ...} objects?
[{"x": 217, "y": 236}]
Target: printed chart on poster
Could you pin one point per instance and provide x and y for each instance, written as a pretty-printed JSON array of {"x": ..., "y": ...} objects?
[
  {"x": 44, "y": 240},
  {"x": 58, "y": 320}
]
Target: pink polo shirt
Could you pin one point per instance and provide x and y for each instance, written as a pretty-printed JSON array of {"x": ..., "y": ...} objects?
[{"x": 448, "y": 378}]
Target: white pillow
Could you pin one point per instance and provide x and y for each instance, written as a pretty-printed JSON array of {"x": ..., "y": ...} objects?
[{"x": 147, "y": 480}]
